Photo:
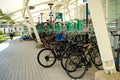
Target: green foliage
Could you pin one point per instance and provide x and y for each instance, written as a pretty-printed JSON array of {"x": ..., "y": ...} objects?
[
  {"x": 3, "y": 38},
  {"x": 1, "y": 12},
  {"x": 12, "y": 22},
  {"x": 16, "y": 34},
  {"x": 1, "y": 26},
  {"x": 25, "y": 31},
  {"x": 5, "y": 17},
  {"x": 1, "y": 33}
]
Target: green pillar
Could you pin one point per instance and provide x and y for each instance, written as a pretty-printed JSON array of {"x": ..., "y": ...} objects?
[
  {"x": 42, "y": 28},
  {"x": 79, "y": 23},
  {"x": 57, "y": 27},
  {"x": 53, "y": 27},
  {"x": 75, "y": 26},
  {"x": 68, "y": 26},
  {"x": 49, "y": 28}
]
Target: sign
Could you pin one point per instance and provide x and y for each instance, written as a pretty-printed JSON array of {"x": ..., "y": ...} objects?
[
  {"x": 84, "y": 0},
  {"x": 58, "y": 17},
  {"x": 51, "y": 14}
]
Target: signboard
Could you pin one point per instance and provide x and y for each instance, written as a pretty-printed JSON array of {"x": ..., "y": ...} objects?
[
  {"x": 51, "y": 14},
  {"x": 84, "y": 0},
  {"x": 58, "y": 17}
]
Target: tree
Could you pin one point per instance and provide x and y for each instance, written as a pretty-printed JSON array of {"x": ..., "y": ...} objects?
[
  {"x": 1, "y": 12},
  {"x": 6, "y": 17}
]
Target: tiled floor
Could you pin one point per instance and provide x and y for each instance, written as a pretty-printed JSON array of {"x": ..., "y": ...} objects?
[{"x": 19, "y": 62}]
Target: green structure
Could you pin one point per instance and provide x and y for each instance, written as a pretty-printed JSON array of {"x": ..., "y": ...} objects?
[
  {"x": 68, "y": 25},
  {"x": 79, "y": 25}
]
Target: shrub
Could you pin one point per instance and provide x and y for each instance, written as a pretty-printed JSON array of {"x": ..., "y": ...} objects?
[
  {"x": 1, "y": 33},
  {"x": 16, "y": 34}
]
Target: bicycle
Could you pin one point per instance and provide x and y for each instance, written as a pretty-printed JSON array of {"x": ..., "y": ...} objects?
[
  {"x": 78, "y": 63},
  {"x": 48, "y": 56},
  {"x": 72, "y": 47}
]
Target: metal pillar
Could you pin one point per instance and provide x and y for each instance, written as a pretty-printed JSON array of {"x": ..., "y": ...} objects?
[
  {"x": 25, "y": 6},
  {"x": 33, "y": 25},
  {"x": 86, "y": 14},
  {"x": 64, "y": 9},
  {"x": 101, "y": 31},
  {"x": 41, "y": 17},
  {"x": 76, "y": 8},
  {"x": 29, "y": 30},
  {"x": 28, "y": 27}
]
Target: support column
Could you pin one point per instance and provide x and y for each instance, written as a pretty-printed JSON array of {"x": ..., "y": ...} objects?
[
  {"x": 8, "y": 26},
  {"x": 29, "y": 30},
  {"x": 25, "y": 5},
  {"x": 101, "y": 32},
  {"x": 76, "y": 9},
  {"x": 64, "y": 9},
  {"x": 106, "y": 9},
  {"x": 28, "y": 27},
  {"x": 69, "y": 12},
  {"x": 33, "y": 25}
]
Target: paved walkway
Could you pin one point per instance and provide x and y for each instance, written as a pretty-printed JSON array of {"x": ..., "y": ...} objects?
[{"x": 18, "y": 61}]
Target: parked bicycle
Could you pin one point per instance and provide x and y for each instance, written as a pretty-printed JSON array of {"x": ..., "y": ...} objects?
[
  {"x": 48, "y": 56},
  {"x": 25, "y": 37},
  {"x": 78, "y": 63}
]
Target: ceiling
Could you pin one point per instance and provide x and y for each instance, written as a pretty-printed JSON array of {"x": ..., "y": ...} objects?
[{"x": 13, "y": 8}]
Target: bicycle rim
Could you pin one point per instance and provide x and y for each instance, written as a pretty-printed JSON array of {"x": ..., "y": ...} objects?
[
  {"x": 46, "y": 57},
  {"x": 96, "y": 59},
  {"x": 75, "y": 68},
  {"x": 65, "y": 55}
]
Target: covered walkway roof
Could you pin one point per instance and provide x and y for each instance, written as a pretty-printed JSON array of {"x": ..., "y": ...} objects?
[{"x": 13, "y": 8}]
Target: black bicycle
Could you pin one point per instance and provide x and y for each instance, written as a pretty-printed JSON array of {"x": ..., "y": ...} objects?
[
  {"x": 48, "y": 56},
  {"x": 78, "y": 63},
  {"x": 72, "y": 47}
]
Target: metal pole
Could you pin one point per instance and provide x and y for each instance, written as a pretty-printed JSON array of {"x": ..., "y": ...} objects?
[
  {"x": 38, "y": 19},
  {"x": 41, "y": 17},
  {"x": 86, "y": 14}
]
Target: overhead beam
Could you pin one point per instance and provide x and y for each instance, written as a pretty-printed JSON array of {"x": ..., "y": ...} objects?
[
  {"x": 34, "y": 12},
  {"x": 31, "y": 5},
  {"x": 25, "y": 4}
]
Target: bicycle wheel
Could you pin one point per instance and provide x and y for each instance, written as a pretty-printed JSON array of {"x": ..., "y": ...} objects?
[
  {"x": 75, "y": 67},
  {"x": 96, "y": 59},
  {"x": 65, "y": 55},
  {"x": 46, "y": 57}
]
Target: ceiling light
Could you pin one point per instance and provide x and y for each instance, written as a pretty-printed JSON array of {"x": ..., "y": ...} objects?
[{"x": 31, "y": 7}]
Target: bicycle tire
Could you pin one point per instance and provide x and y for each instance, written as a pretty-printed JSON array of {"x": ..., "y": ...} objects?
[
  {"x": 65, "y": 55},
  {"x": 78, "y": 71},
  {"x": 96, "y": 59},
  {"x": 41, "y": 60}
]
